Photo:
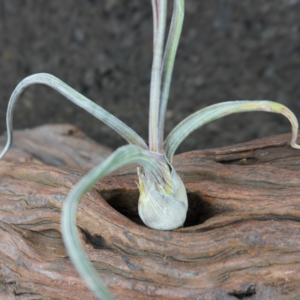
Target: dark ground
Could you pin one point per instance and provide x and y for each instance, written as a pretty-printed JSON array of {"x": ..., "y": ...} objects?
[{"x": 230, "y": 50}]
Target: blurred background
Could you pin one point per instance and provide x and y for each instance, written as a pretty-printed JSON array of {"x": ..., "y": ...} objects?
[{"x": 229, "y": 50}]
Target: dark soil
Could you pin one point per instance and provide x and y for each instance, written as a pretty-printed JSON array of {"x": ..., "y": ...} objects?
[{"x": 230, "y": 50}]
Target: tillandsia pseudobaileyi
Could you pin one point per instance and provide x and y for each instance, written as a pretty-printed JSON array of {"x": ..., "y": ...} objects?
[{"x": 163, "y": 200}]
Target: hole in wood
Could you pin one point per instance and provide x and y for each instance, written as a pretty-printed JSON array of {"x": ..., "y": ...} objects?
[
  {"x": 96, "y": 241},
  {"x": 126, "y": 203},
  {"x": 244, "y": 294}
]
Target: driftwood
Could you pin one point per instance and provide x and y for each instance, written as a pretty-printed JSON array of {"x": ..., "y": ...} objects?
[
  {"x": 240, "y": 241},
  {"x": 55, "y": 145}
]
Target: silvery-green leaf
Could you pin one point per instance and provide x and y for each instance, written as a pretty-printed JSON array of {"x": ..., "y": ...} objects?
[
  {"x": 155, "y": 19},
  {"x": 159, "y": 12},
  {"x": 121, "y": 157},
  {"x": 126, "y": 132},
  {"x": 169, "y": 59},
  {"x": 216, "y": 111}
]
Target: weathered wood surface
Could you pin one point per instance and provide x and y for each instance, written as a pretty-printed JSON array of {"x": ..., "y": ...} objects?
[
  {"x": 55, "y": 145},
  {"x": 241, "y": 239}
]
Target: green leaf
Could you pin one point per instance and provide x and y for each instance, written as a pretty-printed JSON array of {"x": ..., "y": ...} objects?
[
  {"x": 155, "y": 20},
  {"x": 169, "y": 59},
  {"x": 126, "y": 132},
  {"x": 160, "y": 16},
  {"x": 213, "y": 112},
  {"x": 121, "y": 157}
]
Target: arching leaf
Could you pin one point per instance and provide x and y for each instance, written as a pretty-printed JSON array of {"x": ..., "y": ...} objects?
[
  {"x": 216, "y": 111},
  {"x": 126, "y": 132},
  {"x": 121, "y": 157}
]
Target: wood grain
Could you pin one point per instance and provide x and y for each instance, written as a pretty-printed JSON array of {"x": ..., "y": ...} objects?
[{"x": 240, "y": 240}]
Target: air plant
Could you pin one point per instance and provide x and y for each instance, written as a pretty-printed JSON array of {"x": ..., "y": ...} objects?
[{"x": 163, "y": 200}]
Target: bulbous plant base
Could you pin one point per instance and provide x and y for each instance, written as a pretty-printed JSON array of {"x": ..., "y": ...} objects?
[{"x": 240, "y": 240}]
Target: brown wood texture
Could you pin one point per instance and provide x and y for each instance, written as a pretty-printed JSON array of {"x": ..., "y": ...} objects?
[
  {"x": 240, "y": 241},
  {"x": 55, "y": 145}
]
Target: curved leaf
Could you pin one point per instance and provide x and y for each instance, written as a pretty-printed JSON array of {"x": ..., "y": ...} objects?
[
  {"x": 126, "y": 132},
  {"x": 122, "y": 156},
  {"x": 216, "y": 111}
]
